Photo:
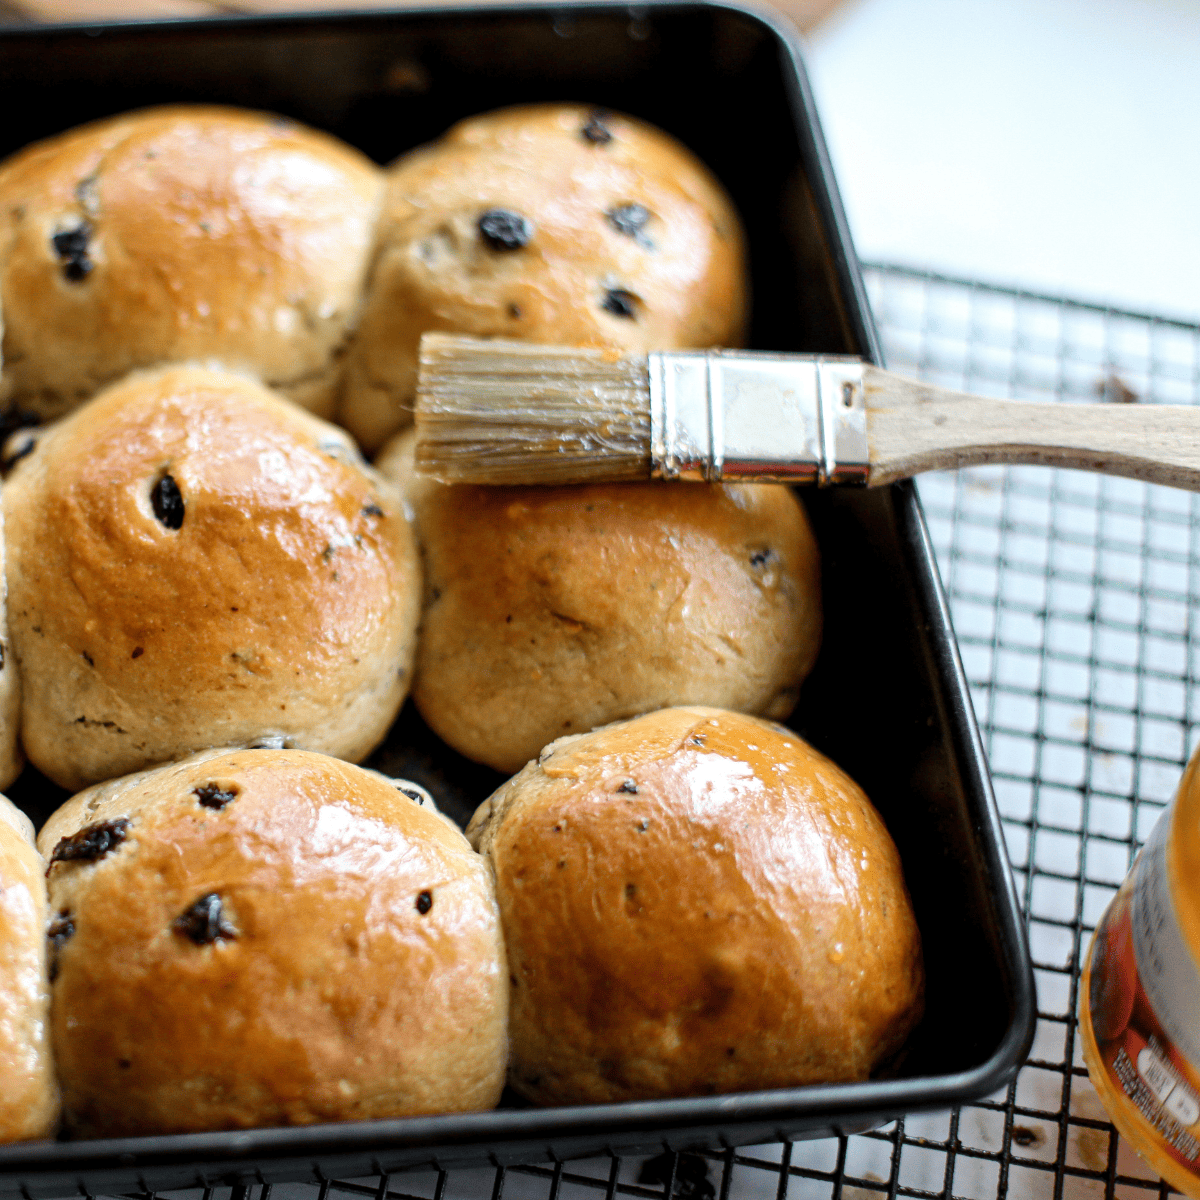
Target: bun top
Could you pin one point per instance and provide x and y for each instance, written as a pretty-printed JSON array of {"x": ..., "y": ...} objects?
[
  {"x": 556, "y": 609},
  {"x": 12, "y": 758},
  {"x": 29, "y": 1105},
  {"x": 558, "y": 224},
  {"x": 696, "y": 901},
  {"x": 192, "y": 557},
  {"x": 267, "y": 937},
  {"x": 269, "y": 799},
  {"x": 183, "y": 506},
  {"x": 13, "y": 817},
  {"x": 179, "y": 233}
]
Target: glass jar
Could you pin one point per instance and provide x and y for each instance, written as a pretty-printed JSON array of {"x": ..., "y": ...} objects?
[{"x": 1140, "y": 996}]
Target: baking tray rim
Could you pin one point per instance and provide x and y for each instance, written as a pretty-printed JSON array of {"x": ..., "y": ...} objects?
[
  {"x": 878, "y": 1099},
  {"x": 760, "y": 13},
  {"x": 780, "y": 1106}
]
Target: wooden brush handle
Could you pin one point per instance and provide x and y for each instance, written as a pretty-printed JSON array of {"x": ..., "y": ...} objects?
[{"x": 913, "y": 427}]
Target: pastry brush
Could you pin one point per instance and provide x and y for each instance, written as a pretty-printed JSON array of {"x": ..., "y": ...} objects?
[{"x": 508, "y": 412}]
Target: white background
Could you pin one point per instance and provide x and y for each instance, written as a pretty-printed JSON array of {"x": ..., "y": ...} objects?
[{"x": 1053, "y": 144}]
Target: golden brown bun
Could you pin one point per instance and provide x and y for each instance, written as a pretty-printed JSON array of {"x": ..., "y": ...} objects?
[
  {"x": 553, "y": 610},
  {"x": 354, "y": 967},
  {"x": 284, "y": 606},
  {"x": 182, "y": 233},
  {"x": 11, "y": 757},
  {"x": 28, "y": 1090},
  {"x": 696, "y": 902},
  {"x": 626, "y": 210}
]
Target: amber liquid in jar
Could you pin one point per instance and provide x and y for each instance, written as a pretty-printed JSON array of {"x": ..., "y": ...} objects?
[{"x": 1140, "y": 996}]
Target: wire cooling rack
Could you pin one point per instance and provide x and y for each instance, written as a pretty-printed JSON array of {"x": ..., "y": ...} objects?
[{"x": 1076, "y": 600}]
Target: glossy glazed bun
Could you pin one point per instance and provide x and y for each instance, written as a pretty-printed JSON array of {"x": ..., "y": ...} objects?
[
  {"x": 554, "y": 223},
  {"x": 195, "y": 562},
  {"x": 181, "y": 233},
  {"x": 553, "y": 610},
  {"x": 696, "y": 902},
  {"x": 28, "y": 1089},
  {"x": 269, "y": 937},
  {"x": 11, "y": 757}
]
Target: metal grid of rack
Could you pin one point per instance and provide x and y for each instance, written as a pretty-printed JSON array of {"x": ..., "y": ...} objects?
[{"x": 1076, "y": 601}]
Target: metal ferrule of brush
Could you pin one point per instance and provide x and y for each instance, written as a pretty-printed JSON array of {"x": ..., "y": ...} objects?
[{"x": 720, "y": 414}]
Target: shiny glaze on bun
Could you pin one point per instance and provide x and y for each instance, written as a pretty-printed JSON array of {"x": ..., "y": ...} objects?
[
  {"x": 696, "y": 902},
  {"x": 269, "y": 937}
]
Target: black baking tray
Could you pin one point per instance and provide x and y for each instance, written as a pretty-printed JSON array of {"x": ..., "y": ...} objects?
[{"x": 887, "y": 700}]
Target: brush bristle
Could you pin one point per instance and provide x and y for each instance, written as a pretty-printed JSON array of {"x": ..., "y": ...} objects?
[{"x": 506, "y": 412}]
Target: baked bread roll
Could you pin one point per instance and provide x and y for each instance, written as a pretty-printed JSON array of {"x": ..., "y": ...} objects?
[
  {"x": 554, "y": 223},
  {"x": 181, "y": 233},
  {"x": 269, "y": 937},
  {"x": 195, "y": 562},
  {"x": 28, "y": 1090},
  {"x": 553, "y": 610},
  {"x": 696, "y": 902},
  {"x": 11, "y": 758}
]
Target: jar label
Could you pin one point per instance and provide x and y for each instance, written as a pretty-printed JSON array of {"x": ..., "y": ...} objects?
[
  {"x": 1144, "y": 1005},
  {"x": 1165, "y": 963}
]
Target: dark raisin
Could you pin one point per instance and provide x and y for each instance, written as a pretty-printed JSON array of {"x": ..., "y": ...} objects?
[
  {"x": 91, "y": 662},
  {"x": 424, "y": 902},
  {"x": 620, "y": 303},
  {"x": 71, "y": 246},
  {"x": 514, "y": 311},
  {"x": 505, "y": 230},
  {"x": 595, "y": 130},
  {"x": 138, "y": 651},
  {"x": 629, "y": 219},
  {"x": 89, "y": 723},
  {"x": 372, "y": 510},
  {"x": 91, "y": 842},
  {"x": 628, "y": 786},
  {"x": 759, "y": 557},
  {"x": 204, "y": 921},
  {"x": 168, "y": 502},
  {"x": 20, "y": 450},
  {"x": 12, "y": 419},
  {"x": 61, "y": 929},
  {"x": 213, "y": 795},
  {"x": 59, "y": 932}
]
